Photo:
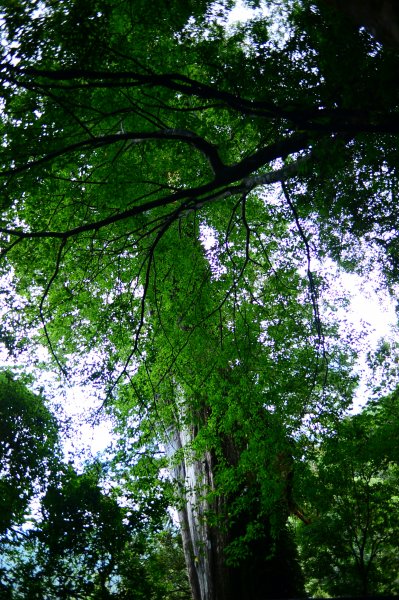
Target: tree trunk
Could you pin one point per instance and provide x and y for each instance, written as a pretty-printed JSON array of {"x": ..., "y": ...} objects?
[
  {"x": 203, "y": 545},
  {"x": 271, "y": 571}
]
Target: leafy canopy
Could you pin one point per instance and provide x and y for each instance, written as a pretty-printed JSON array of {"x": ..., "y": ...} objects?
[
  {"x": 169, "y": 185},
  {"x": 28, "y": 449}
]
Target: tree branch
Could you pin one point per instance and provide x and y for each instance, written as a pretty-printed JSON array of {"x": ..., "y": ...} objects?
[
  {"x": 41, "y": 305},
  {"x": 209, "y": 150},
  {"x": 287, "y": 172},
  {"x": 192, "y": 198},
  {"x": 321, "y": 119}
]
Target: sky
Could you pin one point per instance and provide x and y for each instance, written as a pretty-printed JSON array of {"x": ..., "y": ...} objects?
[{"x": 371, "y": 314}]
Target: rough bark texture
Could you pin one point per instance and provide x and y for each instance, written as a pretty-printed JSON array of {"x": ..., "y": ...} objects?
[
  {"x": 257, "y": 577},
  {"x": 200, "y": 543}
]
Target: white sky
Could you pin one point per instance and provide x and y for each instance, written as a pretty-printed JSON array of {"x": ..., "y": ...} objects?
[
  {"x": 241, "y": 13},
  {"x": 369, "y": 306}
]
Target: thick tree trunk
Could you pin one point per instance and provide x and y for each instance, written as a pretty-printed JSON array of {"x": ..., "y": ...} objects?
[
  {"x": 256, "y": 578},
  {"x": 200, "y": 543}
]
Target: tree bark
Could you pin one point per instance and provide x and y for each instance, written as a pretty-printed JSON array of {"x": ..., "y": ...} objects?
[
  {"x": 271, "y": 571},
  {"x": 203, "y": 545}
]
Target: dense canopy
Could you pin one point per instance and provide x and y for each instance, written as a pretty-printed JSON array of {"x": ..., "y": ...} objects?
[{"x": 173, "y": 185}]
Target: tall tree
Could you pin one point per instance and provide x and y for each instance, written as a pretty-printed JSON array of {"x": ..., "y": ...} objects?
[
  {"x": 232, "y": 396},
  {"x": 88, "y": 542},
  {"x": 131, "y": 141},
  {"x": 29, "y": 449},
  {"x": 349, "y": 545}
]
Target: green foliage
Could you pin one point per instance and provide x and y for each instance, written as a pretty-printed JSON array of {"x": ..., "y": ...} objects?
[
  {"x": 132, "y": 140},
  {"x": 161, "y": 574},
  {"x": 91, "y": 543},
  {"x": 28, "y": 449},
  {"x": 350, "y": 545}
]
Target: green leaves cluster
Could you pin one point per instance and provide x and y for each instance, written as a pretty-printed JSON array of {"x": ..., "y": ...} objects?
[
  {"x": 350, "y": 544},
  {"x": 68, "y": 534},
  {"x": 29, "y": 448},
  {"x": 170, "y": 185}
]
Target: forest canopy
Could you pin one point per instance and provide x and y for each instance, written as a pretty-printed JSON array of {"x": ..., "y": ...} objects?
[{"x": 173, "y": 185}]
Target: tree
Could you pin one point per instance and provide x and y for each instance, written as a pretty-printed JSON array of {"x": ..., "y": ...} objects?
[
  {"x": 163, "y": 574},
  {"x": 139, "y": 136},
  {"x": 28, "y": 450},
  {"x": 349, "y": 545},
  {"x": 82, "y": 534},
  {"x": 90, "y": 543},
  {"x": 230, "y": 404}
]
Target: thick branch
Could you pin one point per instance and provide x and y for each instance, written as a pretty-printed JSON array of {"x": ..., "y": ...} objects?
[
  {"x": 81, "y": 78},
  {"x": 180, "y": 135},
  {"x": 280, "y": 175},
  {"x": 326, "y": 120},
  {"x": 263, "y": 156},
  {"x": 193, "y": 198}
]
